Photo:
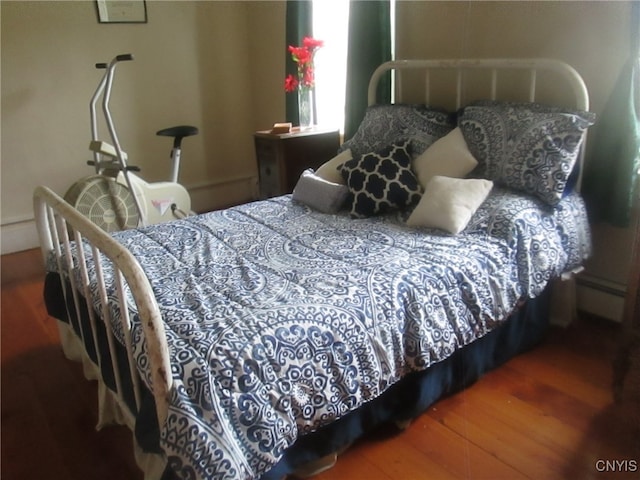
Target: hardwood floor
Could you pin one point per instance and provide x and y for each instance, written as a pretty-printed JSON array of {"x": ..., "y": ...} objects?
[{"x": 547, "y": 414}]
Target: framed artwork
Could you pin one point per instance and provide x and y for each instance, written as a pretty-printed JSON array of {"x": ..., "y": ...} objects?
[{"x": 121, "y": 11}]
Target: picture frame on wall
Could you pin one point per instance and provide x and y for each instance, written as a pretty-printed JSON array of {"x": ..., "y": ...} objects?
[{"x": 121, "y": 11}]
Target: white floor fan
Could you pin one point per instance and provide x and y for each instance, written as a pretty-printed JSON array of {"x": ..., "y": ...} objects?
[{"x": 114, "y": 198}]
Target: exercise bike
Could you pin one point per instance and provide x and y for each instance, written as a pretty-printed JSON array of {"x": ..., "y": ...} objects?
[{"x": 115, "y": 198}]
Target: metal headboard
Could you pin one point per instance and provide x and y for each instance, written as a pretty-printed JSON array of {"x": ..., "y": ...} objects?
[{"x": 496, "y": 67}]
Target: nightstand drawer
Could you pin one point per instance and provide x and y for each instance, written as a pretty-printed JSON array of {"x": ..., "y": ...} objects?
[
  {"x": 265, "y": 148},
  {"x": 269, "y": 177}
]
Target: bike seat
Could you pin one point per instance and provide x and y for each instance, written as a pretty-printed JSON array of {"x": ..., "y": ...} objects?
[{"x": 178, "y": 133}]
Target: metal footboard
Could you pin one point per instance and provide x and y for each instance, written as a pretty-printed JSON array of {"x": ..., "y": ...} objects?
[{"x": 59, "y": 225}]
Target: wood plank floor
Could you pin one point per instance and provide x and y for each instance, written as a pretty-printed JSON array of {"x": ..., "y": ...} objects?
[{"x": 547, "y": 414}]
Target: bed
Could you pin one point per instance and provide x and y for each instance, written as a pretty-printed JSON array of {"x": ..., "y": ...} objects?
[{"x": 261, "y": 340}]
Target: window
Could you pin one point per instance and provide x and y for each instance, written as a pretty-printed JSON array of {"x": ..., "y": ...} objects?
[{"x": 331, "y": 24}]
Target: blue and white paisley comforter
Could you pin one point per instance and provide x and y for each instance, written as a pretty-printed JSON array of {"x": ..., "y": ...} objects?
[{"x": 281, "y": 319}]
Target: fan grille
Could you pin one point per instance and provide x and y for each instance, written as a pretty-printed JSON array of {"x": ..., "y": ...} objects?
[{"x": 105, "y": 202}]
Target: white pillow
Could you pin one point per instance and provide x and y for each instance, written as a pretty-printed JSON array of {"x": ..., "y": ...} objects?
[
  {"x": 330, "y": 170},
  {"x": 448, "y": 156},
  {"x": 449, "y": 203}
]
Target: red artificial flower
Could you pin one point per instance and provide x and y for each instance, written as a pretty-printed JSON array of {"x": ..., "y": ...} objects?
[
  {"x": 303, "y": 56},
  {"x": 290, "y": 83},
  {"x": 308, "y": 77},
  {"x": 312, "y": 43},
  {"x": 300, "y": 54}
]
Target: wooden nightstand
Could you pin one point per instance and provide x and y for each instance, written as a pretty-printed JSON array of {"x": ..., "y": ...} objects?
[{"x": 282, "y": 158}]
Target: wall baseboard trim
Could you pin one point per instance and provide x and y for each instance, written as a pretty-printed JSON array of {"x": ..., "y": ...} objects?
[
  {"x": 18, "y": 236},
  {"x": 601, "y": 297},
  {"x": 222, "y": 194},
  {"x": 20, "y": 233}
]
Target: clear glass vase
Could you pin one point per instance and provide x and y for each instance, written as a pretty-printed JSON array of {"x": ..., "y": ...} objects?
[{"x": 305, "y": 107}]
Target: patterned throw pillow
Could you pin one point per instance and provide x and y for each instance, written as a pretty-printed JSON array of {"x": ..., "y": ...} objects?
[
  {"x": 525, "y": 146},
  {"x": 381, "y": 181},
  {"x": 384, "y": 124}
]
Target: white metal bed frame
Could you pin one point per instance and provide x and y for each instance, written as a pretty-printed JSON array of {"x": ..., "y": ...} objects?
[
  {"x": 495, "y": 65},
  {"x": 462, "y": 69},
  {"x": 58, "y": 224}
]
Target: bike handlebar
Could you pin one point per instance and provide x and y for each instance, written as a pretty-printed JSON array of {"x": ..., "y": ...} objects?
[
  {"x": 104, "y": 89},
  {"x": 108, "y": 67},
  {"x": 119, "y": 58}
]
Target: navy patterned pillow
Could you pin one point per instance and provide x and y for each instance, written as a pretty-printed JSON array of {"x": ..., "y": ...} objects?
[
  {"x": 525, "y": 146},
  {"x": 381, "y": 181},
  {"x": 384, "y": 124}
]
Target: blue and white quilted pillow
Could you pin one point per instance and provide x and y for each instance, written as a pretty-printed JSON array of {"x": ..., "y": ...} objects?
[
  {"x": 525, "y": 146},
  {"x": 385, "y": 124},
  {"x": 381, "y": 181}
]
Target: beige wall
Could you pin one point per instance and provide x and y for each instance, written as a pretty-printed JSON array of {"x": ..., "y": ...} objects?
[
  {"x": 219, "y": 65},
  {"x": 203, "y": 63},
  {"x": 592, "y": 36}
]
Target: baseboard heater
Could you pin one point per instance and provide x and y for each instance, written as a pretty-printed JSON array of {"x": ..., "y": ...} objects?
[{"x": 600, "y": 296}]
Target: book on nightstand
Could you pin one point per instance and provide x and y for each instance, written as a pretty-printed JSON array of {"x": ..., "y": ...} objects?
[{"x": 279, "y": 128}]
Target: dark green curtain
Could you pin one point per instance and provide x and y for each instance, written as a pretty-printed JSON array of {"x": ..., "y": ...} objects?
[
  {"x": 611, "y": 173},
  {"x": 299, "y": 25},
  {"x": 369, "y": 46}
]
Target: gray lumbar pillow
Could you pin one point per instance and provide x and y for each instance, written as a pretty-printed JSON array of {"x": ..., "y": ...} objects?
[{"x": 320, "y": 194}]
